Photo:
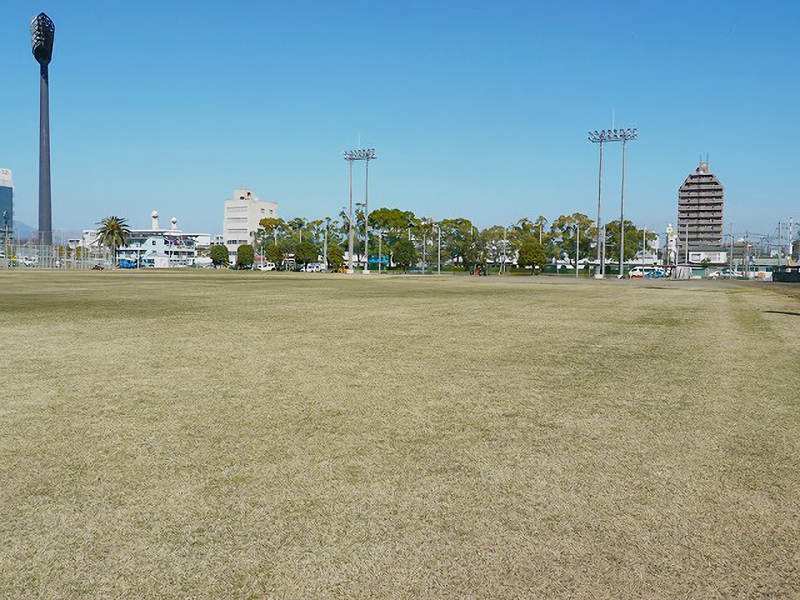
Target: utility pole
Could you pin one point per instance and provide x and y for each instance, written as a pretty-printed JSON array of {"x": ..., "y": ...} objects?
[
  {"x": 577, "y": 247},
  {"x": 730, "y": 266}
]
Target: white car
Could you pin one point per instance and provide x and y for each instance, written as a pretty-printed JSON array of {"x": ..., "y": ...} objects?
[
  {"x": 648, "y": 272},
  {"x": 312, "y": 268},
  {"x": 267, "y": 266}
]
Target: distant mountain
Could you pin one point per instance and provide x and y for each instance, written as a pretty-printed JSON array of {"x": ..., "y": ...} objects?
[{"x": 24, "y": 232}]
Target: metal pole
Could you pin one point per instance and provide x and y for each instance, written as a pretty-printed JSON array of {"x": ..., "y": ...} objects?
[
  {"x": 350, "y": 234},
  {"x": 325, "y": 250},
  {"x": 380, "y": 250},
  {"x": 424, "y": 244},
  {"x": 622, "y": 218},
  {"x": 366, "y": 220},
  {"x": 644, "y": 244},
  {"x": 439, "y": 250},
  {"x": 730, "y": 266},
  {"x": 600, "y": 250},
  {"x": 505, "y": 249},
  {"x": 687, "y": 243},
  {"x": 577, "y": 247}
]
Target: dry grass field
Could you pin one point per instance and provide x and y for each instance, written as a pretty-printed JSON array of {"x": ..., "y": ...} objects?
[{"x": 248, "y": 435}]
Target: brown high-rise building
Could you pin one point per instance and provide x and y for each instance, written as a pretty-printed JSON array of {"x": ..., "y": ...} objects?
[{"x": 700, "y": 200}]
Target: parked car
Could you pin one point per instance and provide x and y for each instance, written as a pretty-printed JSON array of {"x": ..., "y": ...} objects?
[
  {"x": 312, "y": 268},
  {"x": 267, "y": 266},
  {"x": 649, "y": 272},
  {"x": 726, "y": 274}
]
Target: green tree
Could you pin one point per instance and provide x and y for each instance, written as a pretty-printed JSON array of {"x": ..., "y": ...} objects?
[
  {"x": 219, "y": 255},
  {"x": 633, "y": 240},
  {"x": 496, "y": 244},
  {"x": 335, "y": 256},
  {"x": 269, "y": 229},
  {"x": 563, "y": 234},
  {"x": 272, "y": 253},
  {"x": 245, "y": 255},
  {"x": 460, "y": 240},
  {"x": 113, "y": 233},
  {"x": 532, "y": 254},
  {"x": 405, "y": 254},
  {"x": 305, "y": 253}
]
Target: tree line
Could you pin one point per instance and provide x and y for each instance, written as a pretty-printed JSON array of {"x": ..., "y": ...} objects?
[{"x": 404, "y": 238}]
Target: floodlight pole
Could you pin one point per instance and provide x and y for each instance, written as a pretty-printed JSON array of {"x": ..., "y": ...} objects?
[
  {"x": 366, "y": 217},
  {"x": 577, "y": 247},
  {"x": 42, "y": 35},
  {"x": 365, "y": 155},
  {"x": 601, "y": 263},
  {"x": 599, "y": 137},
  {"x": 622, "y": 217},
  {"x": 350, "y": 221},
  {"x": 380, "y": 255}
]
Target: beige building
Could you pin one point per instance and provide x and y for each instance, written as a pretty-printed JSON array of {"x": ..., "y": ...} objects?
[
  {"x": 700, "y": 202},
  {"x": 242, "y": 215}
]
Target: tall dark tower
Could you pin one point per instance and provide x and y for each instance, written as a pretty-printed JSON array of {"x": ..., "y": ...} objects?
[{"x": 43, "y": 31}]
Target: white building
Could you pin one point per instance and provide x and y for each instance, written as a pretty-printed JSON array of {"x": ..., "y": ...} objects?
[
  {"x": 155, "y": 247},
  {"x": 242, "y": 215}
]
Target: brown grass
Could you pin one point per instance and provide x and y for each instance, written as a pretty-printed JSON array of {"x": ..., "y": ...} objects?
[{"x": 254, "y": 435}]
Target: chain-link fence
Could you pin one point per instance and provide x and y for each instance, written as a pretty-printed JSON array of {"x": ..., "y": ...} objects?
[{"x": 26, "y": 255}]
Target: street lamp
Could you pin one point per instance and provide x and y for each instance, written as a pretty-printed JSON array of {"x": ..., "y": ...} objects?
[
  {"x": 366, "y": 155},
  {"x": 43, "y": 32}
]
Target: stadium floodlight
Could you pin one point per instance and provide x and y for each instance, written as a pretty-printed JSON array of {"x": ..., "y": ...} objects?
[
  {"x": 600, "y": 137},
  {"x": 613, "y": 135},
  {"x": 43, "y": 33},
  {"x": 366, "y": 154}
]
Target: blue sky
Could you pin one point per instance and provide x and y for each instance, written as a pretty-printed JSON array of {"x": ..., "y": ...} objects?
[{"x": 476, "y": 109}]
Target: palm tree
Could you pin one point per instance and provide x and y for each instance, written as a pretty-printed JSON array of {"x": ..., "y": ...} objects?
[{"x": 113, "y": 233}]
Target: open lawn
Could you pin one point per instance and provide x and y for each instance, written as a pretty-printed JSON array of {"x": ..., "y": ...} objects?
[{"x": 226, "y": 435}]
